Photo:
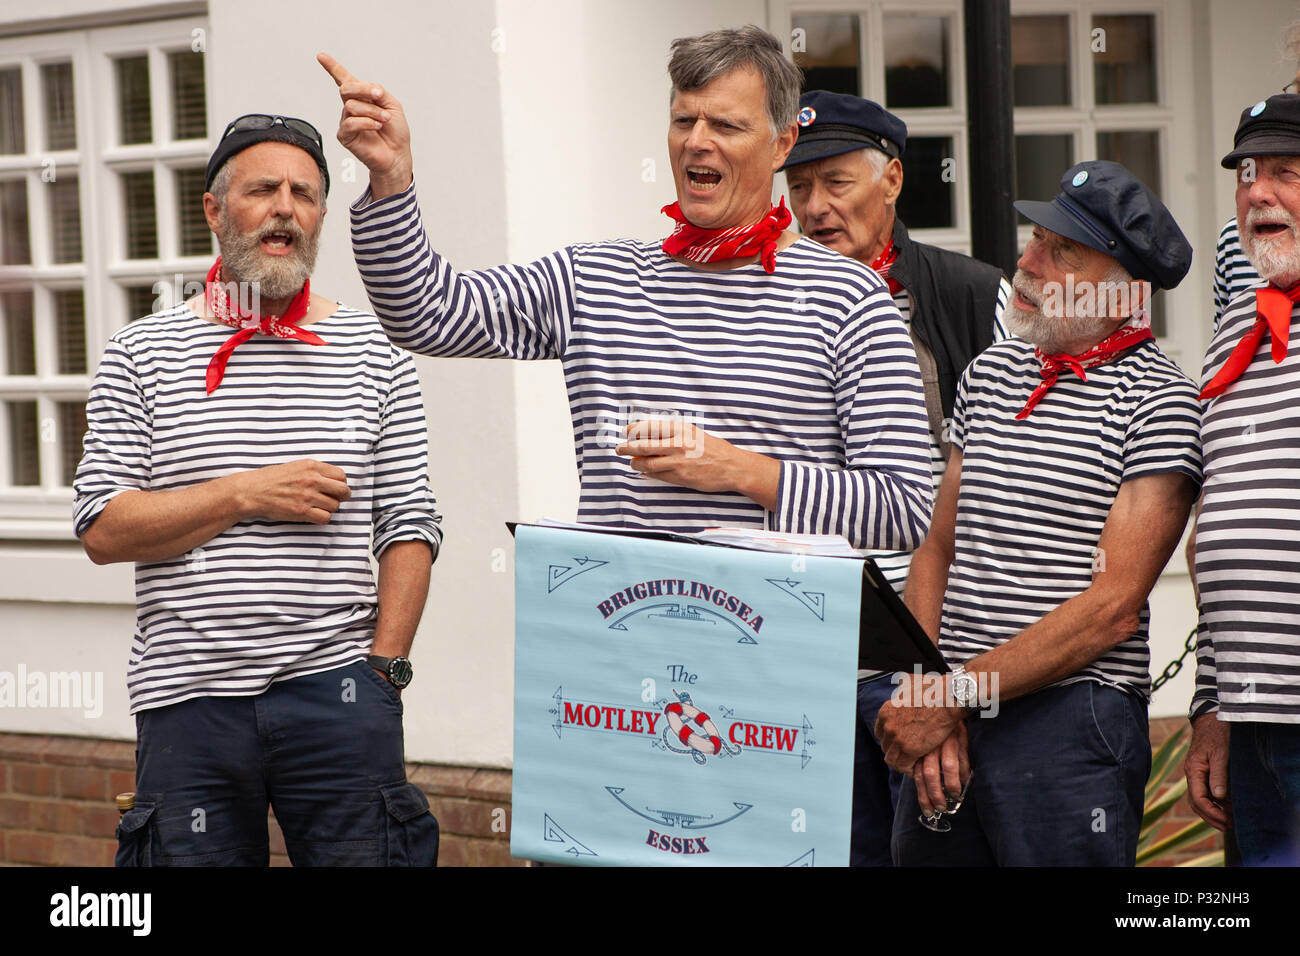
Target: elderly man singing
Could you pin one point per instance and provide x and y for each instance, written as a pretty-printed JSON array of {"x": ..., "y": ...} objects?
[
  {"x": 1244, "y": 762},
  {"x": 795, "y": 396},
  {"x": 1076, "y": 459}
]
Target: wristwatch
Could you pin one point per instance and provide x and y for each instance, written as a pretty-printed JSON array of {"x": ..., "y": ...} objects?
[
  {"x": 398, "y": 670},
  {"x": 965, "y": 688}
]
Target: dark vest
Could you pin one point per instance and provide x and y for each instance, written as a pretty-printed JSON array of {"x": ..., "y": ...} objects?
[{"x": 953, "y": 301}]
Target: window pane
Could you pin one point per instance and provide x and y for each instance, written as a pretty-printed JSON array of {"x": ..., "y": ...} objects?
[
  {"x": 20, "y": 338},
  {"x": 24, "y": 453},
  {"x": 134, "y": 113},
  {"x": 928, "y": 200},
  {"x": 830, "y": 51},
  {"x": 70, "y": 330},
  {"x": 60, "y": 108},
  {"x": 196, "y": 237},
  {"x": 1040, "y": 161},
  {"x": 65, "y": 220},
  {"x": 72, "y": 431},
  {"x": 140, "y": 301},
  {"x": 1137, "y": 149},
  {"x": 189, "y": 103},
  {"x": 1040, "y": 60},
  {"x": 1124, "y": 58},
  {"x": 15, "y": 247},
  {"x": 916, "y": 62},
  {"x": 12, "y": 139},
  {"x": 139, "y": 216}
]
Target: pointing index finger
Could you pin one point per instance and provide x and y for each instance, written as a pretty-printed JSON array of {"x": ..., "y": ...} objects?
[{"x": 335, "y": 69}]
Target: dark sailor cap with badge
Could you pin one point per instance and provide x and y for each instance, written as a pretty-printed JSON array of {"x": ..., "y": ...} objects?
[
  {"x": 835, "y": 123},
  {"x": 1269, "y": 128},
  {"x": 1107, "y": 208}
]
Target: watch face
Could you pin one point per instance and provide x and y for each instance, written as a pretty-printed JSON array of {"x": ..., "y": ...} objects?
[
  {"x": 963, "y": 689},
  {"x": 400, "y": 672}
]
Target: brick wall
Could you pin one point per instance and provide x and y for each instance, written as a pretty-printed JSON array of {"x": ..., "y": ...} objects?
[{"x": 56, "y": 804}]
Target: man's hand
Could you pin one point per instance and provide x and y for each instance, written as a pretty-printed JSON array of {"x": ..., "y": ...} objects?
[
  {"x": 908, "y": 729},
  {"x": 681, "y": 453},
  {"x": 305, "y": 490},
  {"x": 161, "y": 525},
  {"x": 1206, "y": 768},
  {"x": 373, "y": 128},
  {"x": 941, "y": 774}
]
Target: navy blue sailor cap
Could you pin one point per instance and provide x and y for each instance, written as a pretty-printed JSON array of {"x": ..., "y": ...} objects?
[
  {"x": 835, "y": 123},
  {"x": 1269, "y": 128},
  {"x": 1107, "y": 208}
]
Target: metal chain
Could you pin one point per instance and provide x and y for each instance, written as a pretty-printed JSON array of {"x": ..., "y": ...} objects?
[{"x": 1174, "y": 666}]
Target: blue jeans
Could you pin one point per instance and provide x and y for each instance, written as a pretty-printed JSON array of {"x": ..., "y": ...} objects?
[
  {"x": 1058, "y": 780},
  {"x": 1264, "y": 787},
  {"x": 875, "y": 786},
  {"x": 325, "y": 751}
]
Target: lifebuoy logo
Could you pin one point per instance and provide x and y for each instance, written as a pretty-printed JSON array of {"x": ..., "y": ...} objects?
[{"x": 681, "y": 726}]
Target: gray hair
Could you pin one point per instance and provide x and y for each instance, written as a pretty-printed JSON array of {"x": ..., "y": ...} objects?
[
  {"x": 221, "y": 184},
  {"x": 1292, "y": 41},
  {"x": 698, "y": 61}
]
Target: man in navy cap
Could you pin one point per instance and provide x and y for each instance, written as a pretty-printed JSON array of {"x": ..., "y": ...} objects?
[
  {"x": 1076, "y": 459},
  {"x": 845, "y": 176},
  {"x": 248, "y": 450},
  {"x": 1243, "y": 767}
]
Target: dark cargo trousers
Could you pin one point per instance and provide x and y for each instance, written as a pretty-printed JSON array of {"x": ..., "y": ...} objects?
[{"x": 325, "y": 751}]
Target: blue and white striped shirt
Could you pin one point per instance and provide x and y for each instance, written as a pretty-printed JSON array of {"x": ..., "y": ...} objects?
[
  {"x": 1233, "y": 273},
  {"x": 1248, "y": 533},
  {"x": 263, "y": 600},
  {"x": 1036, "y": 492},
  {"x": 811, "y": 365}
]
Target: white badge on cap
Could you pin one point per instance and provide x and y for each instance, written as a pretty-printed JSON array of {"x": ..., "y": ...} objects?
[
  {"x": 1258, "y": 108},
  {"x": 807, "y": 115},
  {"x": 1080, "y": 177}
]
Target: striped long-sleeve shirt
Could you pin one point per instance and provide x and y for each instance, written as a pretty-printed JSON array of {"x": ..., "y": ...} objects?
[
  {"x": 263, "y": 600},
  {"x": 1248, "y": 533},
  {"x": 811, "y": 365}
]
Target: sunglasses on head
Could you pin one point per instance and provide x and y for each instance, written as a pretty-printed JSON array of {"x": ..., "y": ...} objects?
[{"x": 263, "y": 121}]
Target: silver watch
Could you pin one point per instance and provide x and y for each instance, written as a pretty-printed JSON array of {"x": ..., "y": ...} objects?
[{"x": 965, "y": 688}]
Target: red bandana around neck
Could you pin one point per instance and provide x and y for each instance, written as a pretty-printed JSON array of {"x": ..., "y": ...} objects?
[
  {"x": 882, "y": 264},
  {"x": 708, "y": 245},
  {"x": 228, "y": 312},
  {"x": 1273, "y": 311},
  {"x": 1101, "y": 353}
]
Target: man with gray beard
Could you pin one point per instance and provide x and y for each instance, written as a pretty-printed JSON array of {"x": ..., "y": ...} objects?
[
  {"x": 1243, "y": 768},
  {"x": 1075, "y": 462},
  {"x": 248, "y": 450}
]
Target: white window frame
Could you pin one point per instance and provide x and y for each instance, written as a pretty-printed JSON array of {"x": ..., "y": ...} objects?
[
  {"x": 1186, "y": 308},
  {"x": 45, "y": 512},
  {"x": 947, "y": 121}
]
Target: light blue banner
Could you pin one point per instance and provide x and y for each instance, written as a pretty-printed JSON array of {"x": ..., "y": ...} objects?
[{"x": 681, "y": 704}]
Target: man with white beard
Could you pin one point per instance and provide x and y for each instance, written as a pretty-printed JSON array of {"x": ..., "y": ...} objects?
[
  {"x": 1075, "y": 462},
  {"x": 248, "y": 450},
  {"x": 1243, "y": 767}
]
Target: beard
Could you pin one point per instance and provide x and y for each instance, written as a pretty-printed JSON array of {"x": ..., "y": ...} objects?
[
  {"x": 1275, "y": 257},
  {"x": 274, "y": 277},
  {"x": 1052, "y": 334}
]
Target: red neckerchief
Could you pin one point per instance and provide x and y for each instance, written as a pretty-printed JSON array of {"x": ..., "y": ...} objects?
[
  {"x": 282, "y": 326},
  {"x": 882, "y": 264},
  {"x": 707, "y": 245},
  {"x": 1273, "y": 311},
  {"x": 1099, "y": 354}
]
